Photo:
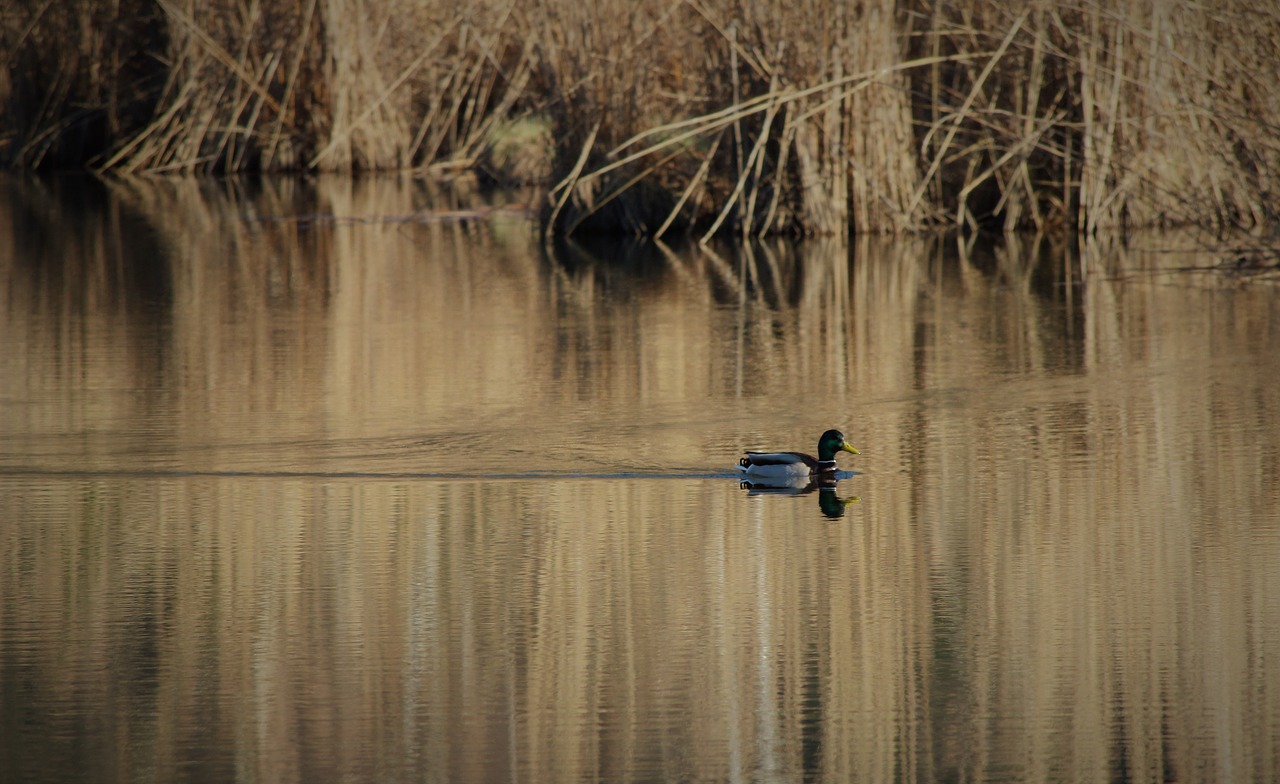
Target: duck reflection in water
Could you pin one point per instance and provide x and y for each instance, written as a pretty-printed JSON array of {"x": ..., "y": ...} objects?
[{"x": 832, "y": 505}]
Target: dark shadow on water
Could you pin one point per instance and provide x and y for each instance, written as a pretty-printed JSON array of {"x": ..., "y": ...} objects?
[{"x": 112, "y": 256}]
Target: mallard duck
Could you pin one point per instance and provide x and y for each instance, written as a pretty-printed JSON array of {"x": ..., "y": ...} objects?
[{"x": 786, "y": 464}]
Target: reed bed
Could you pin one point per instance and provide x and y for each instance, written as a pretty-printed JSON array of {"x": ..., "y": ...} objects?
[{"x": 705, "y": 116}]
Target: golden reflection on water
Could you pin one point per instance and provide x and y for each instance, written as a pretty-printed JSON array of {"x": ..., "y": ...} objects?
[{"x": 373, "y": 498}]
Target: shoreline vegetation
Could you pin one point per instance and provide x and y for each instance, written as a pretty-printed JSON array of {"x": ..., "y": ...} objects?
[{"x": 807, "y": 117}]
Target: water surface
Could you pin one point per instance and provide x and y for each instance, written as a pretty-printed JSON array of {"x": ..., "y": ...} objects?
[{"x": 315, "y": 482}]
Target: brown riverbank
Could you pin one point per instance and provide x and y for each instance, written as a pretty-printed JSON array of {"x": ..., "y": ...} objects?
[{"x": 815, "y": 117}]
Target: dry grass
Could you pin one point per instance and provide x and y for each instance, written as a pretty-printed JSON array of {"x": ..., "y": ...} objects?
[
  {"x": 1108, "y": 118},
  {"x": 702, "y": 115}
]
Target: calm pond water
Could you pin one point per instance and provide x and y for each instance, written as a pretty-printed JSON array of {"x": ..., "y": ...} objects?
[{"x": 299, "y": 482}]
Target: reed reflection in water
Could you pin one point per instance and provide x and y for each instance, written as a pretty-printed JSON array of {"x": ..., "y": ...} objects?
[{"x": 355, "y": 496}]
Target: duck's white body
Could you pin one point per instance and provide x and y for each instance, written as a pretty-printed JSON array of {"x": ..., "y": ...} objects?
[{"x": 782, "y": 465}]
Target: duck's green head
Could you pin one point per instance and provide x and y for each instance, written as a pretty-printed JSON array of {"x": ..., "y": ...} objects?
[{"x": 831, "y": 442}]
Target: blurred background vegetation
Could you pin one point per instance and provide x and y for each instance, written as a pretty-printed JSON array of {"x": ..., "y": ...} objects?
[{"x": 794, "y": 116}]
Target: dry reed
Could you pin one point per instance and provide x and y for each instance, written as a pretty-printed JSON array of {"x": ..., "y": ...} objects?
[{"x": 703, "y": 115}]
